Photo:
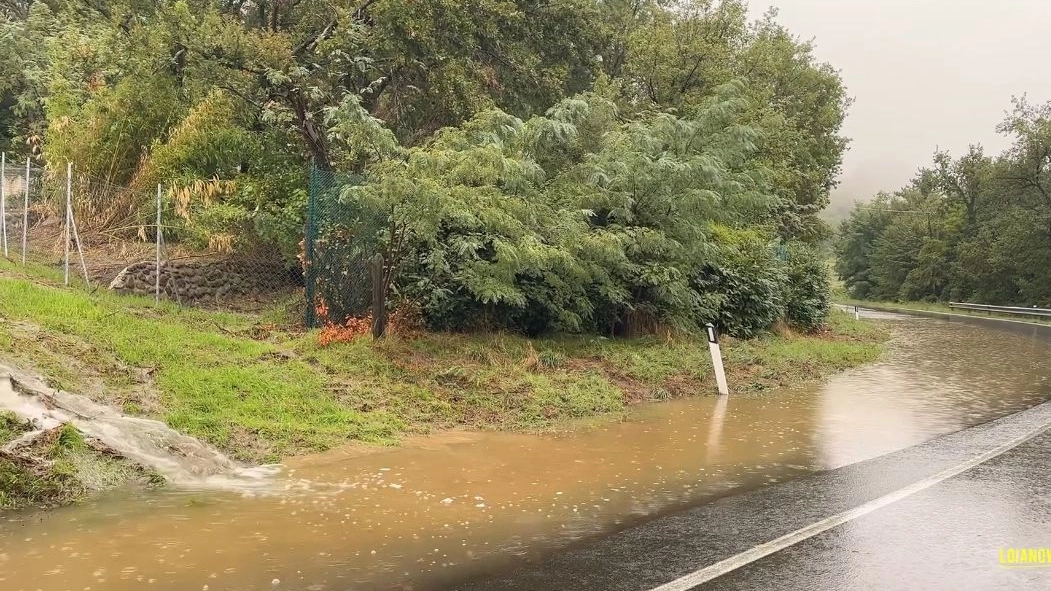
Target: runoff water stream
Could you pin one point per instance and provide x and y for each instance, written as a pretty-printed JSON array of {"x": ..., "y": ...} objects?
[{"x": 442, "y": 508}]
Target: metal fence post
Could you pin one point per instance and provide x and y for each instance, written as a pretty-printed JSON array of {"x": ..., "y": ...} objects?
[
  {"x": 69, "y": 216},
  {"x": 157, "y": 284},
  {"x": 25, "y": 215},
  {"x": 3, "y": 200},
  {"x": 80, "y": 247},
  {"x": 379, "y": 296},
  {"x": 309, "y": 277}
]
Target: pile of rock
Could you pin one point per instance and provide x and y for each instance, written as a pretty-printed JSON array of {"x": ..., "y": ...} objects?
[{"x": 190, "y": 281}]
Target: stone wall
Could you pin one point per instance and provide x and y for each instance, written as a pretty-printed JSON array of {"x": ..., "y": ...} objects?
[{"x": 191, "y": 281}]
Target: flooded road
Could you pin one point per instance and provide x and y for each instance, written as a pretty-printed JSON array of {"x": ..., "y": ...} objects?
[{"x": 443, "y": 508}]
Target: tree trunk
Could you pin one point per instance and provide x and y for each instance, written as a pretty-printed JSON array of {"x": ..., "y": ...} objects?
[{"x": 315, "y": 138}]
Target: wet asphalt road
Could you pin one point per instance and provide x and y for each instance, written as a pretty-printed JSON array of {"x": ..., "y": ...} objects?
[{"x": 947, "y": 536}]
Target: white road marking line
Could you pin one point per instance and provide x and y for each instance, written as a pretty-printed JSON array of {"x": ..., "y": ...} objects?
[{"x": 749, "y": 556}]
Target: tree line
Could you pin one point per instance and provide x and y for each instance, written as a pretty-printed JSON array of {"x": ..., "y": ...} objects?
[
  {"x": 975, "y": 227},
  {"x": 557, "y": 164}
]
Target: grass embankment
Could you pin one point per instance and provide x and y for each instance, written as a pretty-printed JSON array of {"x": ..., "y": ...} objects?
[
  {"x": 259, "y": 392},
  {"x": 58, "y": 467}
]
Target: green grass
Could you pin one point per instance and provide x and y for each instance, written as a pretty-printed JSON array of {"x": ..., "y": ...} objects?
[
  {"x": 47, "y": 481},
  {"x": 211, "y": 382},
  {"x": 11, "y": 427},
  {"x": 261, "y": 393},
  {"x": 59, "y": 468}
]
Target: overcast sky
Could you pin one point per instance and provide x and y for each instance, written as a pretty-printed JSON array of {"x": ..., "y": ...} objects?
[{"x": 924, "y": 74}]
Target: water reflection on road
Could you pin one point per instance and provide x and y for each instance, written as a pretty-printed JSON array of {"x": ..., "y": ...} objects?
[{"x": 443, "y": 507}]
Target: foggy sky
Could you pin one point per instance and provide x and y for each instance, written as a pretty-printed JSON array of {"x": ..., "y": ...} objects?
[{"x": 924, "y": 74}]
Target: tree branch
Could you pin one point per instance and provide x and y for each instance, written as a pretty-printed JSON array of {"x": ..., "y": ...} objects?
[
  {"x": 219, "y": 56},
  {"x": 359, "y": 13},
  {"x": 370, "y": 99},
  {"x": 104, "y": 10},
  {"x": 311, "y": 43},
  {"x": 17, "y": 9},
  {"x": 241, "y": 96}
]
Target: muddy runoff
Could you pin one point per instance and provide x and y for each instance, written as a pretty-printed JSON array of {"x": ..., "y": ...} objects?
[
  {"x": 182, "y": 460},
  {"x": 444, "y": 508}
]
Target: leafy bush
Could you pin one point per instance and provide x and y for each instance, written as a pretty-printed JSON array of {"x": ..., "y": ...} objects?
[
  {"x": 808, "y": 288},
  {"x": 743, "y": 287},
  {"x": 750, "y": 283},
  {"x": 483, "y": 230}
]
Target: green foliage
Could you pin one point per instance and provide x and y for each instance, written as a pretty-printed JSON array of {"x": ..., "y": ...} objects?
[
  {"x": 530, "y": 165},
  {"x": 971, "y": 228},
  {"x": 482, "y": 228},
  {"x": 808, "y": 287},
  {"x": 677, "y": 57},
  {"x": 279, "y": 216},
  {"x": 137, "y": 92},
  {"x": 69, "y": 439},
  {"x": 743, "y": 285},
  {"x": 752, "y": 282}
]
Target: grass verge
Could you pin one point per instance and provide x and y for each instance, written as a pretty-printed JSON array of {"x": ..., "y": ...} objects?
[
  {"x": 58, "y": 467},
  {"x": 261, "y": 393}
]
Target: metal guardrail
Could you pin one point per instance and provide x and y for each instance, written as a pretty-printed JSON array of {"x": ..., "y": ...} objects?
[{"x": 1013, "y": 310}]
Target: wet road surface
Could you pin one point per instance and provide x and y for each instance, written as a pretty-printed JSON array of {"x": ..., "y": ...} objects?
[
  {"x": 949, "y": 536},
  {"x": 946, "y": 535},
  {"x": 500, "y": 510}
]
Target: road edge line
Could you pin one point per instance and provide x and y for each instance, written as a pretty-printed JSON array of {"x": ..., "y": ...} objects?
[{"x": 712, "y": 571}]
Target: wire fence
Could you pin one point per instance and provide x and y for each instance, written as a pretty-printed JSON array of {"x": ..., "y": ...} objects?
[
  {"x": 34, "y": 223},
  {"x": 340, "y": 247},
  {"x": 114, "y": 237}
]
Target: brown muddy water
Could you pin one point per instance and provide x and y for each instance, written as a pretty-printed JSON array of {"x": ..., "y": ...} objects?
[{"x": 443, "y": 508}]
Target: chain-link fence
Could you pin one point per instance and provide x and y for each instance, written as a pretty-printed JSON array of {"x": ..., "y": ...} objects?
[
  {"x": 131, "y": 241},
  {"x": 340, "y": 246}
]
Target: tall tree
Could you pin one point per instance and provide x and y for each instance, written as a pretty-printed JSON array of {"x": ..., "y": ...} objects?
[
  {"x": 679, "y": 55},
  {"x": 963, "y": 181},
  {"x": 988, "y": 235},
  {"x": 1028, "y": 161}
]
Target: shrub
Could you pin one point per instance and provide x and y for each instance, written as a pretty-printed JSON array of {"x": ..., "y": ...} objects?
[
  {"x": 743, "y": 286},
  {"x": 483, "y": 229},
  {"x": 807, "y": 288}
]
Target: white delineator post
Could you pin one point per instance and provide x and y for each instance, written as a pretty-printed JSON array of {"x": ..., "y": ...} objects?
[
  {"x": 717, "y": 359},
  {"x": 157, "y": 284},
  {"x": 25, "y": 215},
  {"x": 857, "y": 315},
  {"x": 69, "y": 215}
]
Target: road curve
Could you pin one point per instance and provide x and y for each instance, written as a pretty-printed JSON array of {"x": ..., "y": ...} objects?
[{"x": 942, "y": 514}]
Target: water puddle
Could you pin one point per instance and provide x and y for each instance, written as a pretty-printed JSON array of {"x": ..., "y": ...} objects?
[{"x": 441, "y": 508}]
